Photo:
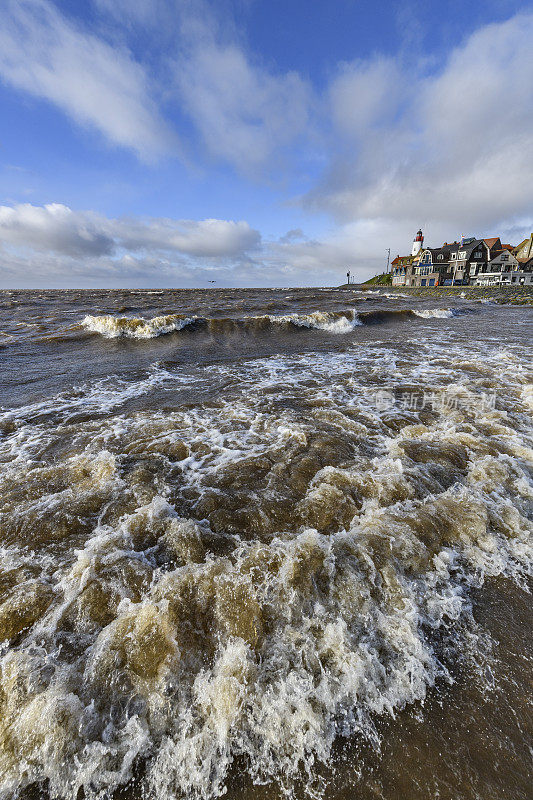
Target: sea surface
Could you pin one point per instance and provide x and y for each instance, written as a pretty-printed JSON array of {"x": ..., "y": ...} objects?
[{"x": 268, "y": 543}]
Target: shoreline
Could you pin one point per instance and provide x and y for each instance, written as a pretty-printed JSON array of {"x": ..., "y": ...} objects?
[{"x": 517, "y": 295}]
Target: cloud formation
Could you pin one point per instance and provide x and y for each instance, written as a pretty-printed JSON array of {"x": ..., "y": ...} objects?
[
  {"x": 395, "y": 142},
  {"x": 98, "y": 85},
  {"x": 244, "y": 113},
  {"x": 55, "y": 245},
  {"x": 57, "y": 229},
  {"x": 452, "y": 147}
]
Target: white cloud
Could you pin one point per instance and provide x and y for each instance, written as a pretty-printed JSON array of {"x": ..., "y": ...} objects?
[
  {"x": 366, "y": 95},
  {"x": 96, "y": 84},
  {"x": 54, "y": 245},
  {"x": 244, "y": 113},
  {"x": 208, "y": 238},
  {"x": 55, "y": 228},
  {"x": 451, "y": 150},
  {"x": 454, "y": 148}
]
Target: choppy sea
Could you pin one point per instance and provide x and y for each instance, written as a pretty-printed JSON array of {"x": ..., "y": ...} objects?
[{"x": 267, "y": 543}]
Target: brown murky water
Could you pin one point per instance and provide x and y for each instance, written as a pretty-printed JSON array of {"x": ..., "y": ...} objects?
[{"x": 264, "y": 542}]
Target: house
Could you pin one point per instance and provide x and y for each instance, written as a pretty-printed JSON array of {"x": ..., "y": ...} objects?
[
  {"x": 522, "y": 278},
  {"x": 524, "y": 254},
  {"x": 480, "y": 262},
  {"x": 524, "y": 251},
  {"x": 470, "y": 257},
  {"x": 494, "y": 245},
  {"x": 401, "y": 269},
  {"x": 402, "y": 266},
  {"x": 432, "y": 267},
  {"x": 499, "y": 269}
]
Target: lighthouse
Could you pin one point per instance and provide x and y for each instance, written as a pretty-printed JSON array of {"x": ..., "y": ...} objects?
[{"x": 417, "y": 243}]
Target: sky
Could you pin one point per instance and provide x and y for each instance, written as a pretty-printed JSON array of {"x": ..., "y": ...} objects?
[{"x": 170, "y": 143}]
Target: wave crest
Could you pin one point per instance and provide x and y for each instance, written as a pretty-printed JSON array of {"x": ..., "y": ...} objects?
[
  {"x": 336, "y": 322},
  {"x": 140, "y": 328},
  {"x": 135, "y": 327},
  {"x": 321, "y": 320},
  {"x": 434, "y": 313}
]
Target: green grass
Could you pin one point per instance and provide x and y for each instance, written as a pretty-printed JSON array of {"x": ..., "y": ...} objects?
[{"x": 385, "y": 279}]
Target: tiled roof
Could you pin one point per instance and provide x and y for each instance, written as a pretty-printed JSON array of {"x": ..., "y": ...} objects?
[{"x": 491, "y": 242}]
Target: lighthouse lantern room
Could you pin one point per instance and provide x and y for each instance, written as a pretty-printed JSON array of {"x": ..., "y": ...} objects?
[{"x": 417, "y": 243}]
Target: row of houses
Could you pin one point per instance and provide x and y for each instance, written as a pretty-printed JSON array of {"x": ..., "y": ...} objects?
[{"x": 471, "y": 261}]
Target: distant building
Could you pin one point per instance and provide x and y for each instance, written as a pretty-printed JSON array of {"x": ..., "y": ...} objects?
[
  {"x": 402, "y": 266},
  {"x": 417, "y": 243},
  {"x": 470, "y": 258},
  {"x": 522, "y": 277},
  {"x": 401, "y": 270},
  {"x": 499, "y": 269},
  {"x": 432, "y": 267},
  {"x": 479, "y": 262},
  {"x": 524, "y": 254}
]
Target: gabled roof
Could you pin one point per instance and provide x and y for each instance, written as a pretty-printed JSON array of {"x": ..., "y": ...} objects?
[
  {"x": 491, "y": 242},
  {"x": 451, "y": 247},
  {"x": 440, "y": 251},
  {"x": 471, "y": 246},
  {"x": 529, "y": 252},
  {"x": 401, "y": 260},
  {"x": 499, "y": 252}
]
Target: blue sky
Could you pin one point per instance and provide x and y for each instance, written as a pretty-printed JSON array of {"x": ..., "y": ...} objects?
[{"x": 173, "y": 142}]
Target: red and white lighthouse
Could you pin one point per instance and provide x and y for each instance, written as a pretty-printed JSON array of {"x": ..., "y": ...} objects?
[{"x": 417, "y": 243}]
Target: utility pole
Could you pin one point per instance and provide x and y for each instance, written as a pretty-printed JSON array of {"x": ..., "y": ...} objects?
[
  {"x": 388, "y": 260},
  {"x": 348, "y": 276}
]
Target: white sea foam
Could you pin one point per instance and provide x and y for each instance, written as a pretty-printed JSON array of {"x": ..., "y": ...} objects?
[
  {"x": 437, "y": 313},
  {"x": 321, "y": 320},
  {"x": 136, "y": 327},
  {"x": 155, "y": 645}
]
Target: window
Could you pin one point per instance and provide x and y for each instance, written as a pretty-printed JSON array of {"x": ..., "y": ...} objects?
[{"x": 505, "y": 258}]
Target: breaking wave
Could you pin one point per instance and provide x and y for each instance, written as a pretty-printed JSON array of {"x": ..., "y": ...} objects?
[
  {"x": 336, "y": 322},
  {"x": 437, "y": 313},
  {"x": 406, "y": 314},
  {"x": 140, "y": 328},
  {"x": 135, "y": 327},
  {"x": 321, "y": 320}
]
